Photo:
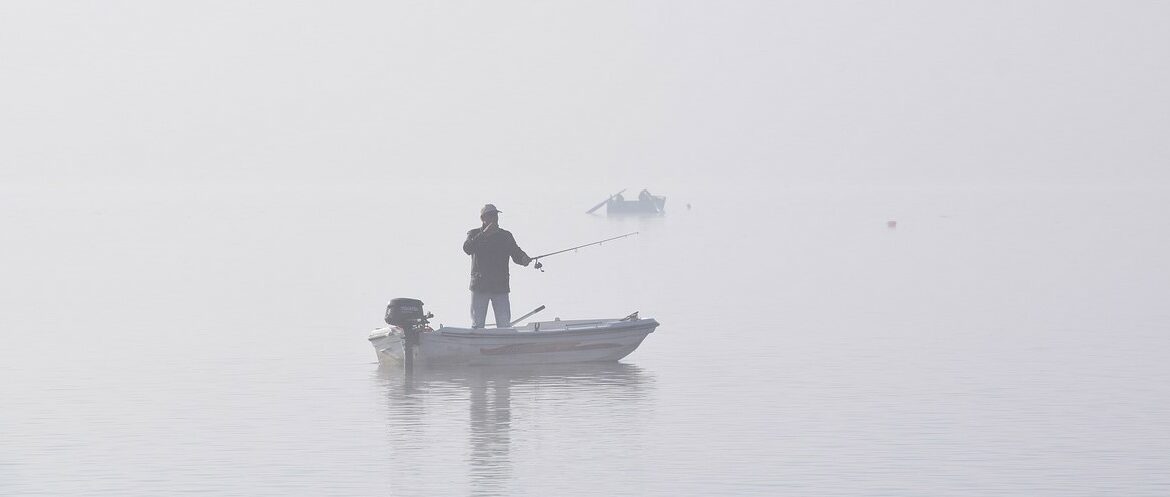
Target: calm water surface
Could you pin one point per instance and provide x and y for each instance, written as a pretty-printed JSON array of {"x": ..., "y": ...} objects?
[{"x": 998, "y": 342}]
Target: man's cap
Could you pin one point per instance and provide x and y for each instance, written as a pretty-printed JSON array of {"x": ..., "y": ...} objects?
[{"x": 489, "y": 208}]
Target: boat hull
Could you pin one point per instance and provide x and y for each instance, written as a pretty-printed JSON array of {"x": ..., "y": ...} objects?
[
  {"x": 653, "y": 206},
  {"x": 551, "y": 342}
]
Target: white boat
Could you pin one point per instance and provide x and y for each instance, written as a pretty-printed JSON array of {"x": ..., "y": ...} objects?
[{"x": 546, "y": 342}]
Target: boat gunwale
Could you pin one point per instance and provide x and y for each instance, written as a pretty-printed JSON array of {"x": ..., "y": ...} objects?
[
  {"x": 650, "y": 323},
  {"x": 616, "y": 326}
]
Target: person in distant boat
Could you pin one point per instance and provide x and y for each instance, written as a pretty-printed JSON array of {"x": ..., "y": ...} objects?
[
  {"x": 645, "y": 196},
  {"x": 490, "y": 248}
]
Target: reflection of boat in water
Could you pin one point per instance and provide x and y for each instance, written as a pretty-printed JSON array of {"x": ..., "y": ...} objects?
[
  {"x": 482, "y": 422},
  {"x": 546, "y": 342},
  {"x": 646, "y": 204},
  {"x": 607, "y": 374}
]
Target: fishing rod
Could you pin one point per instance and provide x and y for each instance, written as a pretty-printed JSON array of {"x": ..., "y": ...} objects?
[
  {"x": 518, "y": 320},
  {"x": 539, "y": 265}
]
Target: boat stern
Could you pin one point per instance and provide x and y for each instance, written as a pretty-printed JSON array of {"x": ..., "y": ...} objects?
[{"x": 387, "y": 344}]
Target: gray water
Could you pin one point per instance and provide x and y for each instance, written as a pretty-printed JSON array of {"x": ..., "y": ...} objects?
[{"x": 1008, "y": 341}]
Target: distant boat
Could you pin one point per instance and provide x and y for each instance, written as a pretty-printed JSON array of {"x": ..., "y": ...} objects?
[{"x": 646, "y": 204}]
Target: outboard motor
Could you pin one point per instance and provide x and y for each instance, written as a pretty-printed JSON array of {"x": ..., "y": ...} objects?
[
  {"x": 408, "y": 314},
  {"x": 405, "y": 313}
]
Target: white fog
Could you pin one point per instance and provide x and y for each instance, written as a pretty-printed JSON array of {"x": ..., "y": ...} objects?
[{"x": 909, "y": 248}]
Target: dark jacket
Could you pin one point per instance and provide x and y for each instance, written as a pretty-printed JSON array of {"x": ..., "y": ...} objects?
[{"x": 489, "y": 259}]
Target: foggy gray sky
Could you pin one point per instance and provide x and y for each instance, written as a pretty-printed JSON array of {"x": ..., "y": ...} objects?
[
  {"x": 615, "y": 93},
  {"x": 206, "y": 205}
]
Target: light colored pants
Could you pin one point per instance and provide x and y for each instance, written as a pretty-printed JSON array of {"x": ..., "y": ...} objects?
[{"x": 479, "y": 305}]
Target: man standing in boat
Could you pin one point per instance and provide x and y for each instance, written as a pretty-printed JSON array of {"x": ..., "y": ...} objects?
[{"x": 490, "y": 247}]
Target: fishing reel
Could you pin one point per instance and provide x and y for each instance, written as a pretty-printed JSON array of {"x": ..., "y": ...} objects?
[{"x": 538, "y": 265}]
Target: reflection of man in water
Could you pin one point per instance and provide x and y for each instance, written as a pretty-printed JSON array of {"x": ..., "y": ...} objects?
[
  {"x": 490, "y": 248},
  {"x": 490, "y": 399}
]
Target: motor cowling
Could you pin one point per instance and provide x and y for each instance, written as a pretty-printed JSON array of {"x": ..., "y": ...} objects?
[{"x": 404, "y": 312}]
